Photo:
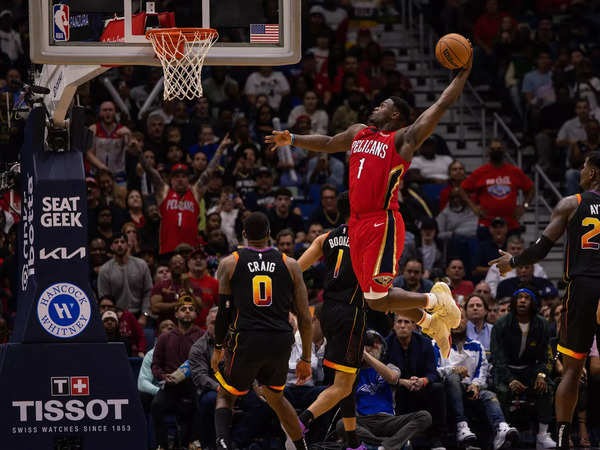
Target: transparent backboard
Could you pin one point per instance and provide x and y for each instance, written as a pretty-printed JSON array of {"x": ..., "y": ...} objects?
[{"x": 111, "y": 32}]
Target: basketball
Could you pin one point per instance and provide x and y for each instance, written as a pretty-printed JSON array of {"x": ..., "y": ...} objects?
[{"x": 453, "y": 51}]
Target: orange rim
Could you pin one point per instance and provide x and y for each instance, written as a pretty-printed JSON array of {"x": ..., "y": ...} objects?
[{"x": 189, "y": 34}]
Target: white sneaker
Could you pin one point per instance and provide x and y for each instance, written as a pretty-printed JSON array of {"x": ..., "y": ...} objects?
[
  {"x": 440, "y": 333},
  {"x": 543, "y": 440},
  {"x": 446, "y": 307},
  {"x": 506, "y": 436},
  {"x": 464, "y": 434}
]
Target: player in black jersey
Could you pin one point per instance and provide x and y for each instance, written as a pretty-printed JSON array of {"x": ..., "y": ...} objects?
[
  {"x": 258, "y": 287},
  {"x": 343, "y": 323},
  {"x": 579, "y": 215}
]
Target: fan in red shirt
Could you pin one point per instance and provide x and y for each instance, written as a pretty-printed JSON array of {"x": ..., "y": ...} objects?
[
  {"x": 496, "y": 187},
  {"x": 379, "y": 157},
  {"x": 202, "y": 283}
]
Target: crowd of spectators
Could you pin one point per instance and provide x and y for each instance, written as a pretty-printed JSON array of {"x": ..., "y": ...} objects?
[{"x": 167, "y": 194}]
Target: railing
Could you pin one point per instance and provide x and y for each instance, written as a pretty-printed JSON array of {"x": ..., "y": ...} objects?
[{"x": 541, "y": 180}]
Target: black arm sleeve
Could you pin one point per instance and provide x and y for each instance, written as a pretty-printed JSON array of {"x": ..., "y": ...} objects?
[
  {"x": 223, "y": 318},
  {"x": 534, "y": 253}
]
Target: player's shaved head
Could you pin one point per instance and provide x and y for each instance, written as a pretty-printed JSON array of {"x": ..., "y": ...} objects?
[
  {"x": 256, "y": 226},
  {"x": 402, "y": 106},
  {"x": 594, "y": 160}
]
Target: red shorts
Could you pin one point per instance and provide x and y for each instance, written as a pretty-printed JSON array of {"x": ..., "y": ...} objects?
[{"x": 376, "y": 244}]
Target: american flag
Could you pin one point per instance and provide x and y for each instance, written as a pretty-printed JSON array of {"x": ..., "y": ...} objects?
[{"x": 259, "y": 32}]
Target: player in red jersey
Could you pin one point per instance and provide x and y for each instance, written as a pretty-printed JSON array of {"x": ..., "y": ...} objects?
[
  {"x": 379, "y": 157},
  {"x": 179, "y": 204}
]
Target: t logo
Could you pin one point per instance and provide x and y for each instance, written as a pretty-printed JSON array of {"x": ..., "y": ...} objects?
[
  {"x": 80, "y": 386},
  {"x": 59, "y": 386}
]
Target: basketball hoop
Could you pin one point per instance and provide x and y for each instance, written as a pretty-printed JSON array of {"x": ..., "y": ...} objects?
[{"x": 181, "y": 52}]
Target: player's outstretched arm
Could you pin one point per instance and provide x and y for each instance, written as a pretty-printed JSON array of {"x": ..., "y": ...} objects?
[
  {"x": 315, "y": 142},
  {"x": 312, "y": 253},
  {"x": 559, "y": 219},
  {"x": 414, "y": 135}
]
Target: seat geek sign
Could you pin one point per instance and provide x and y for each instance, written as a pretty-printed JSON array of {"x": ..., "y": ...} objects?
[{"x": 65, "y": 386}]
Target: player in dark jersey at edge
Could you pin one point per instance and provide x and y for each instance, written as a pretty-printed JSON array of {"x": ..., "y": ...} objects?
[
  {"x": 379, "y": 157},
  {"x": 258, "y": 287},
  {"x": 579, "y": 215},
  {"x": 343, "y": 323}
]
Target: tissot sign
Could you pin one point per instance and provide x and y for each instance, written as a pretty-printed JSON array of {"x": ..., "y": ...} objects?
[{"x": 64, "y": 385}]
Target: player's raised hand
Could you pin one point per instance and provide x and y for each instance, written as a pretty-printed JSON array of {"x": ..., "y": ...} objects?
[
  {"x": 278, "y": 139},
  {"x": 503, "y": 263},
  {"x": 303, "y": 371}
]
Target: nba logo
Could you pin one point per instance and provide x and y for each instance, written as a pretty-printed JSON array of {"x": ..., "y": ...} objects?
[{"x": 61, "y": 22}]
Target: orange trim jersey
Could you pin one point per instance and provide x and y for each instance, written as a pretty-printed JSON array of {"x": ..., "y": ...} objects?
[
  {"x": 582, "y": 255},
  {"x": 375, "y": 171}
]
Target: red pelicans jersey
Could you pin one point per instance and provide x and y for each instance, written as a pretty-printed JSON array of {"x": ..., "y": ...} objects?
[
  {"x": 375, "y": 171},
  {"x": 179, "y": 222}
]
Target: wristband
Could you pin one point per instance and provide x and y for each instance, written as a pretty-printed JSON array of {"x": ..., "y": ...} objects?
[
  {"x": 292, "y": 138},
  {"x": 305, "y": 360}
]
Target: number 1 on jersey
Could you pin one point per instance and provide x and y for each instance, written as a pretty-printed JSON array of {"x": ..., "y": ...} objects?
[
  {"x": 360, "y": 167},
  {"x": 338, "y": 263},
  {"x": 262, "y": 290}
]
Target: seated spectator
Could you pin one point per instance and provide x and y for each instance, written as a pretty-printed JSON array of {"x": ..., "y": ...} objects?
[
  {"x": 310, "y": 107},
  {"x": 176, "y": 396},
  {"x": 465, "y": 375},
  {"x": 315, "y": 229},
  {"x": 460, "y": 288},
  {"x": 496, "y": 186},
  {"x": 148, "y": 386},
  {"x": 456, "y": 175},
  {"x": 577, "y": 154},
  {"x": 242, "y": 172},
  {"x": 323, "y": 168},
  {"x": 133, "y": 237},
  {"x": 202, "y": 283},
  {"x": 478, "y": 329},
  {"x": 524, "y": 276},
  {"x": 230, "y": 208},
  {"x": 537, "y": 86},
  {"x": 266, "y": 81},
  {"x": 263, "y": 196},
  {"x": 129, "y": 327},
  {"x": 430, "y": 168},
  {"x": 284, "y": 241},
  {"x": 165, "y": 294},
  {"x": 110, "y": 321},
  {"x": 327, "y": 213},
  {"x": 519, "y": 354},
  {"x": 350, "y": 68},
  {"x": 418, "y": 385},
  {"x": 301, "y": 396},
  {"x": 573, "y": 130},
  {"x": 515, "y": 246},
  {"x": 377, "y": 423},
  {"x": 127, "y": 279},
  {"x": 428, "y": 250},
  {"x": 282, "y": 216},
  {"x": 204, "y": 380},
  {"x": 98, "y": 256},
  {"x": 485, "y": 292},
  {"x": 348, "y": 113},
  {"x": 457, "y": 225},
  {"x": 412, "y": 278},
  {"x": 489, "y": 249}
]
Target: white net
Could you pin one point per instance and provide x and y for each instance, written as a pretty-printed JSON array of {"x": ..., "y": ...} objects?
[{"x": 181, "y": 52}]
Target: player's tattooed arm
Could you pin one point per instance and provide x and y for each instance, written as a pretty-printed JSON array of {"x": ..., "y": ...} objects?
[
  {"x": 313, "y": 253},
  {"x": 341, "y": 142}
]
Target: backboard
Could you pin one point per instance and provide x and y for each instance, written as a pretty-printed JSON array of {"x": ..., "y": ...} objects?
[{"x": 112, "y": 32}]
